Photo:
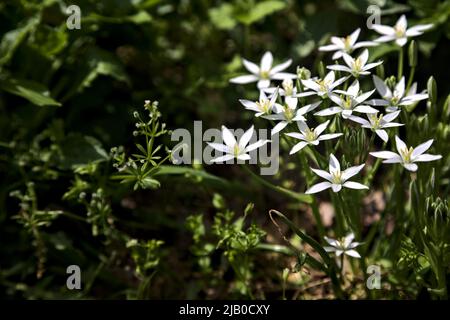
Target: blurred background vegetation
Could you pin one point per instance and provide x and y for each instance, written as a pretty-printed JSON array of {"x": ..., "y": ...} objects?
[{"x": 67, "y": 97}]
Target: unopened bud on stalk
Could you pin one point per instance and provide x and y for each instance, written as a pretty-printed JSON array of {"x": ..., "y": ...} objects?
[
  {"x": 432, "y": 90},
  {"x": 303, "y": 73},
  {"x": 391, "y": 82},
  {"x": 412, "y": 54},
  {"x": 446, "y": 109}
]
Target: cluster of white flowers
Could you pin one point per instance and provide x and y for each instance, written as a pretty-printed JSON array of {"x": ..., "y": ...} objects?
[{"x": 286, "y": 105}]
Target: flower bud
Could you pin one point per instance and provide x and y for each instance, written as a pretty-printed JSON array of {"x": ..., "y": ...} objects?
[
  {"x": 303, "y": 73},
  {"x": 412, "y": 54},
  {"x": 432, "y": 90}
]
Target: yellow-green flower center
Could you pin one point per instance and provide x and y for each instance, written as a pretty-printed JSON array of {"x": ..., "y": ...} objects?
[
  {"x": 264, "y": 74},
  {"x": 357, "y": 66},
  {"x": 323, "y": 84},
  {"x": 347, "y": 43},
  {"x": 236, "y": 150},
  {"x": 288, "y": 87},
  {"x": 336, "y": 177},
  {"x": 399, "y": 31},
  {"x": 375, "y": 120},
  {"x": 310, "y": 135},
  {"x": 406, "y": 154},
  {"x": 263, "y": 105},
  {"x": 288, "y": 113},
  {"x": 347, "y": 102}
]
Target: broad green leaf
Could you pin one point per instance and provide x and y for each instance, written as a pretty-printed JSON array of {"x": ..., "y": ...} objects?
[
  {"x": 33, "y": 91},
  {"x": 140, "y": 17},
  {"x": 222, "y": 17},
  {"x": 78, "y": 150},
  {"x": 260, "y": 11},
  {"x": 179, "y": 170},
  {"x": 12, "y": 39}
]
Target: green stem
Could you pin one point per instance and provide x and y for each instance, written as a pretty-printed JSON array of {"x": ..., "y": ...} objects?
[
  {"x": 294, "y": 195},
  {"x": 400, "y": 63},
  {"x": 411, "y": 78}
]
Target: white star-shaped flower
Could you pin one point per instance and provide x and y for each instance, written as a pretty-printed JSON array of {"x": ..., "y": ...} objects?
[
  {"x": 345, "y": 245},
  {"x": 350, "y": 100},
  {"x": 264, "y": 72},
  {"x": 356, "y": 67},
  {"x": 289, "y": 113},
  {"x": 321, "y": 87},
  {"x": 406, "y": 156},
  {"x": 263, "y": 106},
  {"x": 234, "y": 149},
  {"x": 379, "y": 123},
  {"x": 392, "y": 100},
  {"x": 336, "y": 179},
  {"x": 400, "y": 32},
  {"x": 310, "y": 136},
  {"x": 346, "y": 45}
]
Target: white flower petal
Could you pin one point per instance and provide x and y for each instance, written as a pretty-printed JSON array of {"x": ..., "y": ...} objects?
[
  {"x": 223, "y": 158},
  {"x": 400, "y": 145},
  {"x": 350, "y": 172},
  {"x": 353, "y": 253},
  {"x": 421, "y": 148},
  {"x": 385, "y": 30},
  {"x": 365, "y": 109},
  {"x": 278, "y": 127},
  {"x": 336, "y": 187},
  {"x": 244, "y": 157},
  {"x": 299, "y": 146},
  {"x": 427, "y": 157},
  {"x": 353, "y": 90},
  {"x": 364, "y": 56},
  {"x": 354, "y": 185},
  {"x": 250, "y": 66},
  {"x": 266, "y": 61},
  {"x": 318, "y": 187},
  {"x": 331, "y": 242},
  {"x": 385, "y": 155},
  {"x": 334, "y": 164},
  {"x": 321, "y": 127},
  {"x": 329, "y": 136},
  {"x": 244, "y": 79},
  {"x": 382, "y": 134},
  {"x": 410, "y": 166},
  {"x": 381, "y": 87},
  {"x": 256, "y": 145},
  {"x": 328, "y": 111},
  {"x": 263, "y": 83},
  {"x": 391, "y": 116},
  {"x": 330, "y": 47},
  {"x": 348, "y": 239},
  {"x": 245, "y": 139},
  {"x": 283, "y": 76},
  {"x": 354, "y": 36},
  {"x": 322, "y": 174},
  {"x": 280, "y": 67},
  {"x": 220, "y": 147},
  {"x": 228, "y": 137}
]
